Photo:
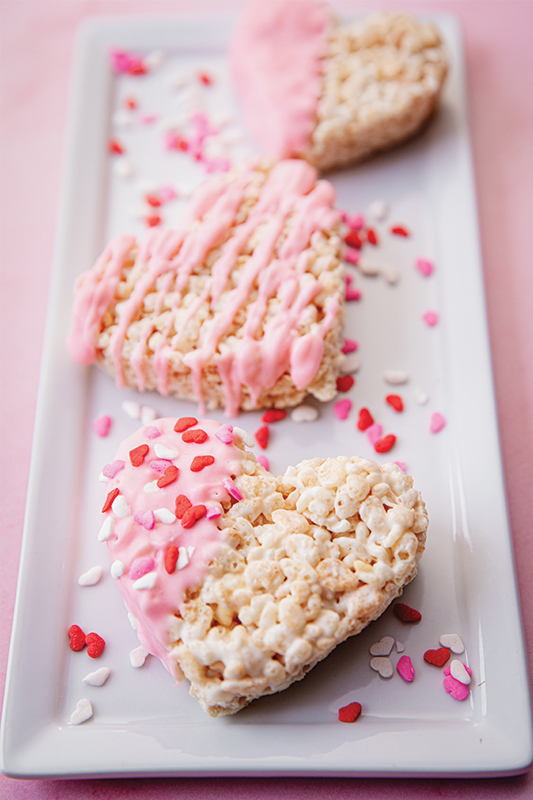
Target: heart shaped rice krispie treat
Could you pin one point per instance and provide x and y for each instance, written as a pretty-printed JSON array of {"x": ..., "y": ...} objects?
[
  {"x": 241, "y": 306},
  {"x": 241, "y": 581},
  {"x": 334, "y": 93}
]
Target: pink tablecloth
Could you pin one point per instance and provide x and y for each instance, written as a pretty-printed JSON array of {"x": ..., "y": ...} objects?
[{"x": 37, "y": 40}]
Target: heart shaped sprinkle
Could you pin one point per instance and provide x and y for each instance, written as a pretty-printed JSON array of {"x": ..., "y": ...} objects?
[
  {"x": 437, "y": 422},
  {"x": 138, "y": 656},
  {"x": 437, "y": 658},
  {"x": 399, "y": 230},
  {"x": 108, "y": 502},
  {"x": 147, "y": 581},
  {"x": 246, "y": 438},
  {"x": 120, "y": 507},
  {"x": 395, "y": 401},
  {"x": 140, "y": 566},
  {"x": 365, "y": 419},
  {"x": 453, "y": 642},
  {"x": 160, "y": 464},
  {"x": 95, "y": 645},
  {"x": 396, "y": 377},
  {"x": 225, "y": 433},
  {"x": 183, "y": 558},
  {"x": 383, "y": 647},
  {"x": 342, "y": 408},
  {"x": 97, "y": 678},
  {"x": 430, "y": 318},
  {"x": 374, "y": 432},
  {"x": 91, "y": 577},
  {"x": 197, "y": 436},
  {"x": 371, "y": 236},
  {"x": 261, "y": 436},
  {"x": 351, "y": 255},
  {"x": 356, "y": 222},
  {"x": 273, "y": 415},
  {"x": 385, "y": 444},
  {"x": 151, "y": 432},
  {"x": 77, "y": 638},
  {"x": 185, "y": 422},
  {"x": 165, "y": 516},
  {"x": 349, "y": 346},
  {"x": 106, "y": 531},
  {"x": 165, "y": 452},
  {"x": 351, "y": 296},
  {"x": 138, "y": 454},
  {"x": 405, "y": 669},
  {"x": 102, "y": 425},
  {"x": 458, "y": 671},
  {"x": 169, "y": 476},
  {"x": 400, "y": 647},
  {"x": 232, "y": 489},
  {"x": 304, "y": 413},
  {"x": 182, "y": 505},
  {"x": 406, "y": 613},
  {"x": 424, "y": 266},
  {"x": 402, "y": 465},
  {"x": 459, "y": 691},
  {"x": 353, "y": 239},
  {"x": 263, "y": 461},
  {"x": 132, "y": 409},
  {"x": 382, "y": 665},
  {"x": 200, "y": 462},
  {"x": 192, "y": 515},
  {"x": 117, "y": 569},
  {"x": 110, "y": 470},
  {"x": 151, "y": 487},
  {"x": 82, "y": 712},
  {"x": 345, "y": 383},
  {"x": 350, "y": 713},
  {"x": 171, "y": 556},
  {"x": 148, "y": 415}
]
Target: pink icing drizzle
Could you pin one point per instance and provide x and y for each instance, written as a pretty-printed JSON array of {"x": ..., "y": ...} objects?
[
  {"x": 171, "y": 257},
  {"x": 275, "y": 59},
  {"x": 142, "y": 549}
]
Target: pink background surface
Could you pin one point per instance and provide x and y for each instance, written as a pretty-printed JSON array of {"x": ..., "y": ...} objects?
[{"x": 36, "y": 50}]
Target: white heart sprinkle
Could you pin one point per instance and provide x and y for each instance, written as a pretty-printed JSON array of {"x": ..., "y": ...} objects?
[
  {"x": 190, "y": 551},
  {"x": 244, "y": 436},
  {"x": 368, "y": 268},
  {"x": 120, "y": 507},
  {"x": 183, "y": 558},
  {"x": 148, "y": 415},
  {"x": 102, "y": 478},
  {"x": 391, "y": 275},
  {"x": 122, "y": 118},
  {"x": 400, "y": 647},
  {"x": 396, "y": 376},
  {"x": 117, "y": 569},
  {"x": 383, "y": 647},
  {"x": 458, "y": 671},
  {"x": 97, "y": 678},
  {"x": 453, "y": 642},
  {"x": 383, "y": 665},
  {"x": 138, "y": 656},
  {"x": 420, "y": 396},
  {"x": 147, "y": 581},
  {"x": 132, "y": 409},
  {"x": 83, "y": 712},
  {"x": 123, "y": 168},
  {"x": 91, "y": 577},
  {"x": 165, "y": 452},
  {"x": 352, "y": 363},
  {"x": 154, "y": 59},
  {"x": 304, "y": 413},
  {"x": 379, "y": 209},
  {"x": 165, "y": 516},
  {"x": 151, "y": 487},
  {"x": 106, "y": 530}
]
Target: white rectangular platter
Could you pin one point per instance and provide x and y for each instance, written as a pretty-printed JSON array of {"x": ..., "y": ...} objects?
[{"x": 143, "y": 725}]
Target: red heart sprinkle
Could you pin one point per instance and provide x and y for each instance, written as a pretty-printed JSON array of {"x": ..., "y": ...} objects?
[
  {"x": 115, "y": 147},
  {"x": 350, "y": 712},
  {"x": 153, "y": 200},
  {"x": 273, "y": 415},
  {"x": 353, "y": 239},
  {"x": 137, "y": 69},
  {"x": 205, "y": 78},
  {"x": 171, "y": 556},
  {"x": 399, "y": 230},
  {"x": 261, "y": 436},
  {"x": 182, "y": 505},
  {"x": 197, "y": 436},
  {"x": 372, "y": 236},
  {"x": 345, "y": 383},
  {"x": 437, "y": 657},
  {"x": 199, "y": 462},
  {"x": 152, "y": 220},
  {"x": 185, "y": 422},
  {"x": 406, "y": 613},
  {"x": 109, "y": 500},
  {"x": 395, "y": 401},
  {"x": 137, "y": 455},
  {"x": 385, "y": 444},
  {"x": 168, "y": 476},
  {"x": 77, "y": 638},
  {"x": 193, "y": 514},
  {"x": 95, "y": 645},
  {"x": 130, "y": 102},
  {"x": 365, "y": 419}
]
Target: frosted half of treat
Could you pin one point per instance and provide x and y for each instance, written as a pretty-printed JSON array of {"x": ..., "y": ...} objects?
[
  {"x": 240, "y": 307},
  {"x": 241, "y": 581},
  {"x": 334, "y": 93}
]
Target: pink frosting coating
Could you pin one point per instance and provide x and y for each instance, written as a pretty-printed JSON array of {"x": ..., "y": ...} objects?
[
  {"x": 170, "y": 256},
  {"x": 141, "y": 549},
  {"x": 275, "y": 59}
]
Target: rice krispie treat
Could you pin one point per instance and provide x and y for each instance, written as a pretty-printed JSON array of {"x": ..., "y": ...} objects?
[
  {"x": 241, "y": 306},
  {"x": 334, "y": 93},
  {"x": 241, "y": 581}
]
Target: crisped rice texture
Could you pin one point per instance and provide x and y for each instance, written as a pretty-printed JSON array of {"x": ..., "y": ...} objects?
[
  {"x": 310, "y": 559},
  {"x": 382, "y": 80}
]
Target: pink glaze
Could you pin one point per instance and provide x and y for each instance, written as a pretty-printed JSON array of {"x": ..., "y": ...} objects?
[
  {"x": 142, "y": 550},
  {"x": 170, "y": 258},
  {"x": 275, "y": 60}
]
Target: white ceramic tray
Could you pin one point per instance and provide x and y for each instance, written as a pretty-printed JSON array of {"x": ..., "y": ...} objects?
[{"x": 144, "y": 725}]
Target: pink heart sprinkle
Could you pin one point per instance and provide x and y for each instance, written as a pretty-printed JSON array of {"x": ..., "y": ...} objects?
[
  {"x": 356, "y": 222},
  {"x": 349, "y": 346},
  {"x": 160, "y": 464},
  {"x": 342, "y": 408},
  {"x": 459, "y": 691},
  {"x": 352, "y": 255},
  {"x": 147, "y": 520},
  {"x": 140, "y": 567},
  {"x": 263, "y": 460},
  {"x": 344, "y": 216},
  {"x": 405, "y": 669},
  {"x": 110, "y": 470},
  {"x": 230, "y": 487},
  {"x": 424, "y": 266},
  {"x": 348, "y": 279},
  {"x": 430, "y": 318},
  {"x": 353, "y": 294},
  {"x": 101, "y": 425},
  {"x": 213, "y": 513},
  {"x": 151, "y": 432},
  {"x": 402, "y": 465},
  {"x": 374, "y": 432},
  {"x": 437, "y": 422},
  {"x": 224, "y": 434}
]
